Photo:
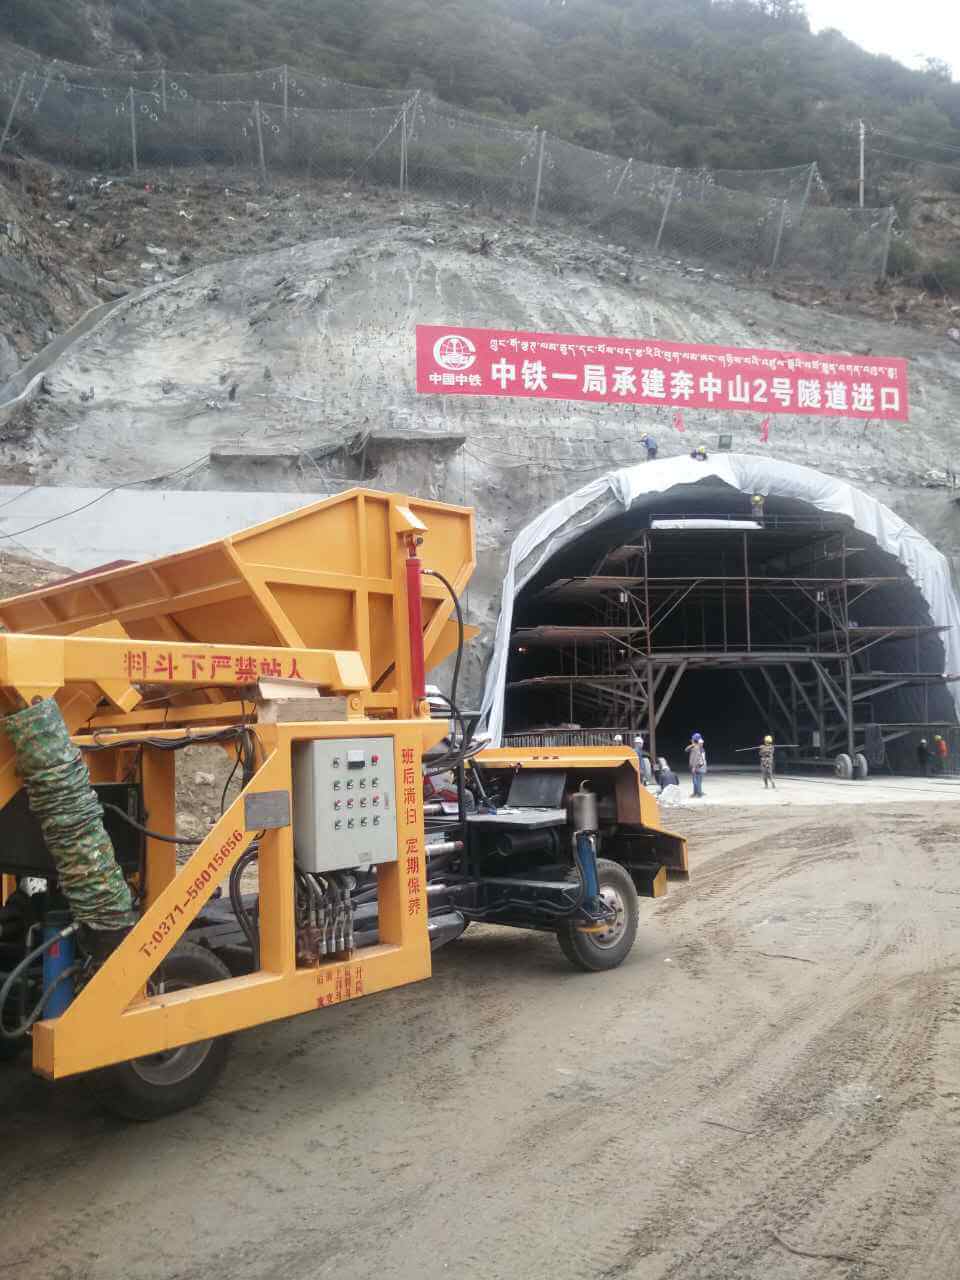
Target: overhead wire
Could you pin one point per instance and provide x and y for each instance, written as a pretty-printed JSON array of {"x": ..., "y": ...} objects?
[
  {"x": 896, "y": 155},
  {"x": 918, "y": 142},
  {"x": 130, "y": 484}
]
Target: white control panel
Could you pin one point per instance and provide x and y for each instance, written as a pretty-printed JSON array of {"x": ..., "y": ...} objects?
[{"x": 344, "y": 803}]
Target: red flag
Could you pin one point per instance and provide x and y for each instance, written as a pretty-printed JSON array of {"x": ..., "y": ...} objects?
[
  {"x": 678, "y": 421},
  {"x": 765, "y": 431}
]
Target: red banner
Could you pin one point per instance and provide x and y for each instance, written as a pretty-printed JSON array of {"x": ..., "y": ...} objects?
[{"x": 554, "y": 366}]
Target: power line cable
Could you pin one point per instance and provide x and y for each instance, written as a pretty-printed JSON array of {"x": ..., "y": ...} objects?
[
  {"x": 130, "y": 484},
  {"x": 896, "y": 137},
  {"x": 896, "y": 155}
]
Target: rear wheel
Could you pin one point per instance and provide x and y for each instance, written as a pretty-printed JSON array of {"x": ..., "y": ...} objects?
[
  {"x": 596, "y": 952},
  {"x": 843, "y": 767},
  {"x": 162, "y": 1083},
  {"x": 861, "y": 769}
]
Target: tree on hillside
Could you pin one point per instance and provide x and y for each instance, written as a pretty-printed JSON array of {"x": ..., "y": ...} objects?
[
  {"x": 728, "y": 83},
  {"x": 786, "y": 12}
]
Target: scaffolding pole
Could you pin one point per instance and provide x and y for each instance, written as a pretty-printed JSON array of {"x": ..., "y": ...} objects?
[{"x": 13, "y": 111}]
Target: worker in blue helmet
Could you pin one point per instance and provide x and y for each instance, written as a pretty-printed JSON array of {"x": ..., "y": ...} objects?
[{"x": 697, "y": 755}]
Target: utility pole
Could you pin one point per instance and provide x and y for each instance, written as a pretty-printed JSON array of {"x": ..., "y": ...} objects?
[
  {"x": 776, "y": 248},
  {"x": 263, "y": 160},
  {"x": 539, "y": 183},
  {"x": 132, "y": 99},
  {"x": 623, "y": 173},
  {"x": 44, "y": 87},
  {"x": 891, "y": 219},
  {"x": 806, "y": 191},
  {"x": 863, "y": 135},
  {"x": 403, "y": 150},
  {"x": 666, "y": 209}
]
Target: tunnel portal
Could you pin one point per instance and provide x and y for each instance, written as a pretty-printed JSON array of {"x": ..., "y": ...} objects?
[{"x": 710, "y": 610}]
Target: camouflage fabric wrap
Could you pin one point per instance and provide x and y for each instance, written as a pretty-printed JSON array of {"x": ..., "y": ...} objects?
[{"x": 69, "y": 813}]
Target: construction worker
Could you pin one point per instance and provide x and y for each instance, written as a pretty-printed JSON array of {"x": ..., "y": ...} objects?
[
  {"x": 757, "y": 505},
  {"x": 651, "y": 447},
  {"x": 767, "y": 754},
  {"x": 923, "y": 757},
  {"x": 942, "y": 750},
  {"x": 699, "y": 454},
  {"x": 646, "y": 770},
  {"x": 669, "y": 783},
  {"x": 697, "y": 755}
]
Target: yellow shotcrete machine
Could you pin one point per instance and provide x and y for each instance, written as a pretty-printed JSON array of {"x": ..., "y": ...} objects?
[{"x": 300, "y": 647}]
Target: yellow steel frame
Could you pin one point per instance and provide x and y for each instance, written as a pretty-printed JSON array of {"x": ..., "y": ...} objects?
[
  {"x": 321, "y": 572},
  {"x": 111, "y": 1020},
  {"x": 574, "y": 758},
  {"x": 634, "y": 802}
]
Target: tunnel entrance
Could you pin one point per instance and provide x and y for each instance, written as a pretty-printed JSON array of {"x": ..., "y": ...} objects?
[{"x": 710, "y": 611}]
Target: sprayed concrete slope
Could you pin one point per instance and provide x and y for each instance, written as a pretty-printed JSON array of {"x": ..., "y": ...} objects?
[{"x": 275, "y": 361}]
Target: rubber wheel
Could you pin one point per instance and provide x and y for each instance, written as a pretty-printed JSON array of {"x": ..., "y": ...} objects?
[
  {"x": 596, "y": 952},
  {"x": 861, "y": 769},
  {"x": 163, "y": 1083},
  {"x": 843, "y": 767}
]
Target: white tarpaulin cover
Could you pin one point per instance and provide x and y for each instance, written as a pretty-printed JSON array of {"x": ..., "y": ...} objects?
[{"x": 618, "y": 491}]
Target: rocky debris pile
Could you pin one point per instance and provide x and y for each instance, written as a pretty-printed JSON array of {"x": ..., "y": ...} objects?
[{"x": 20, "y": 573}]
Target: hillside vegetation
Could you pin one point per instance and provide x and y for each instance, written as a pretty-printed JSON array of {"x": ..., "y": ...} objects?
[{"x": 729, "y": 84}]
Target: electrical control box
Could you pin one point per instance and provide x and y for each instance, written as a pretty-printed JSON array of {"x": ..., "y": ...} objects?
[{"x": 344, "y": 803}]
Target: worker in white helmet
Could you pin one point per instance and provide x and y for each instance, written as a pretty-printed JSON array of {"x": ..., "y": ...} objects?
[
  {"x": 767, "y": 756},
  {"x": 646, "y": 769}
]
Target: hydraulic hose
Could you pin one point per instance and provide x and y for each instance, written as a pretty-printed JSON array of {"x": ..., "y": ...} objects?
[
  {"x": 68, "y": 810},
  {"x": 14, "y": 975},
  {"x": 434, "y": 573}
]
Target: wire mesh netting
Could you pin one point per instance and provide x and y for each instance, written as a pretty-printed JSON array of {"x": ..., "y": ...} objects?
[{"x": 280, "y": 120}]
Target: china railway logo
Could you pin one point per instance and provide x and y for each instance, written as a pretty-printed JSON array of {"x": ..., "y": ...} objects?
[{"x": 454, "y": 353}]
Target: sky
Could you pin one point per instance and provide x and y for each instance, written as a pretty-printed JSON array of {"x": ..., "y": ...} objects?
[{"x": 908, "y": 32}]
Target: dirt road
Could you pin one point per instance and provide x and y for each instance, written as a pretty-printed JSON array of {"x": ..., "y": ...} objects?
[{"x": 769, "y": 1088}]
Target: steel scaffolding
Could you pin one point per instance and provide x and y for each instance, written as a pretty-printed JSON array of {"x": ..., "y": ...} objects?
[{"x": 774, "y": 600}]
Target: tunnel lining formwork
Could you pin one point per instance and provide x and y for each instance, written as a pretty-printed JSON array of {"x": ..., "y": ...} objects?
[{"x": 837, "y": 618}]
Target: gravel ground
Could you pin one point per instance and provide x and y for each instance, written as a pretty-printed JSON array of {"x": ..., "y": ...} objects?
[{"x": 768, "y": 1089}]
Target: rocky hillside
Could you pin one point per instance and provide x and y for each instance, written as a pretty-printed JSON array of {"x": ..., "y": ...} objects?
[{"x": 293, "y": 368}]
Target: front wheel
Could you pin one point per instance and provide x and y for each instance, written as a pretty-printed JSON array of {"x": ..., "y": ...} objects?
[
  {"x": 596, "y": 952},
  {"x": 160, "y": 1084}
]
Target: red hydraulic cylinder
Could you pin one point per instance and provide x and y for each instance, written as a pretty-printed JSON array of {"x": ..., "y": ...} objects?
[{"x": 415, "y": 622}]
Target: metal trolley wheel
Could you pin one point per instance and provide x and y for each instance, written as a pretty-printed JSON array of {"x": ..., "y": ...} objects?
[
  {"x": 843, "y": 767},
  {"x": 160, "y": 1084},
  {"x": 609, "y": 947}
]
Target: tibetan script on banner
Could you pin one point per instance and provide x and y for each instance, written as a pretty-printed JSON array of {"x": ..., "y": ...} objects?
[{"x": 640, "y": 371}]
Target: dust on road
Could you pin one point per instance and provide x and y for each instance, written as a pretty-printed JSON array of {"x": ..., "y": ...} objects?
[{"x": 769, "y": 1087}]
